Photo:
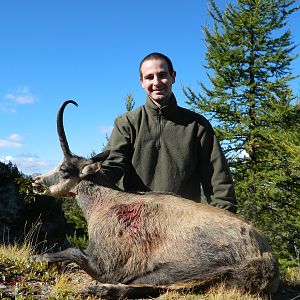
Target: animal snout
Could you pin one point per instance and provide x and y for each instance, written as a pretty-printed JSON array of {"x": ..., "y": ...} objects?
[{"x": 38, "y": 186}]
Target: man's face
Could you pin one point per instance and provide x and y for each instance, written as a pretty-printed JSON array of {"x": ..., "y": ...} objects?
[{"x": 156, "y": 79}]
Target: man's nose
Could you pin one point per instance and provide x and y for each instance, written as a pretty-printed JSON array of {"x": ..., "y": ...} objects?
[{"x": 156, "y": 80}]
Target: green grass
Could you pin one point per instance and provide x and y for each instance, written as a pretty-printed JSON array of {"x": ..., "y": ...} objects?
[{"x": 292, "y": 276}]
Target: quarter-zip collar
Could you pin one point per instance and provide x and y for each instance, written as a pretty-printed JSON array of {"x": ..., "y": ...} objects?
[{"x": 167, "y": 111}]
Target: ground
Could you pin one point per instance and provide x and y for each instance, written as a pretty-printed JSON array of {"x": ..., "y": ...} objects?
[{"x": 40, "y": 281}]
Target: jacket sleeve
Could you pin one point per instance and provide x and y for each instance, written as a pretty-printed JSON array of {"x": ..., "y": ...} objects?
[
  {"x": 120, "y": 149},
  {"x": 216, "y": 179}
]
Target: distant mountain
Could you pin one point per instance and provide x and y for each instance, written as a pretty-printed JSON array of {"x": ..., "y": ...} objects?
[{"x": 33, "y": 175}]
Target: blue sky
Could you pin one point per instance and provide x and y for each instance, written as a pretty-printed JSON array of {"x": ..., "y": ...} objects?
[{"x": 88, "y": 51}]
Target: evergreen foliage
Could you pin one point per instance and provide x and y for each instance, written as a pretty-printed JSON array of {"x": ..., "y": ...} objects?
[
  {"x": 74, "y": 217},
  {"x": 25, "y": 211},
  {"x": 256, "y": 115},
  {"x": 129, "y": 102},
  {"x": 8, "y": 173}
]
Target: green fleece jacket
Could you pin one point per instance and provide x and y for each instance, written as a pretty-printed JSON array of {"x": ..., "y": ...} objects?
[{"x": 169, "y": 149}]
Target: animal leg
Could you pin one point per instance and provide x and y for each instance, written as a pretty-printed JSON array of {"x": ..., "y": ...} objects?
[
  {"x": 123, "y": 291},
  {"x": 68, "y": 255},
  {"x": 81, "y": 258}
]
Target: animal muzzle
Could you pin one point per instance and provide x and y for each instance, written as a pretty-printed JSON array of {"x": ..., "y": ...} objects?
[{"x": 39, "y": 188}]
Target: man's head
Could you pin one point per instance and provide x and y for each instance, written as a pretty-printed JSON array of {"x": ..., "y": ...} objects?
[{"x": 157, "y": 76}]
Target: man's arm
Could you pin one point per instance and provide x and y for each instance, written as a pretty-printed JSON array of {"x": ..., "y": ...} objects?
[
  {"x": 216, "y": 178},
  {"x": 120, "y": 149}
]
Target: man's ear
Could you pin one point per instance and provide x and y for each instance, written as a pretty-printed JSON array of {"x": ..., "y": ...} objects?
[
  {"x": 142, "y": 83},
  {"x": 173, "y": 76}
]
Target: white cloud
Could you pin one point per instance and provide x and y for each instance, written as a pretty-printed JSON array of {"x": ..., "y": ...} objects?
[
  {"x": 12, "y": 99},
  {"x": 12, "y": 142},
  {"x": 243, "y": 154},
  {"x": 21, "y": 96},
  {"x": 28, "y": 163},
  {"x": 20, "y": 99},
  {"x": 105, "y": 129},
  {"x": 15, "y": 137},
  {"x": 8, "y": 107}
]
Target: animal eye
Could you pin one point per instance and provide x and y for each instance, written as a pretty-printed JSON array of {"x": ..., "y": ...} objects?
[
  {"x": 68, "y": 171},
  {"x": 64, "y": 173},
  {"x": 64, "y": 169}
]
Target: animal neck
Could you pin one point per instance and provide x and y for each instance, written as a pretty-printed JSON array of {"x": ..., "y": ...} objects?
[{"x": 92, "y": 194}]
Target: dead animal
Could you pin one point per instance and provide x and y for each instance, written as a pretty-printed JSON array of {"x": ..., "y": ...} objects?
[{"x": 143, "y": 244}]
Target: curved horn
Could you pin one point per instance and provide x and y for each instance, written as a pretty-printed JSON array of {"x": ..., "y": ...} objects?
[{"x": 60, "y": 128}]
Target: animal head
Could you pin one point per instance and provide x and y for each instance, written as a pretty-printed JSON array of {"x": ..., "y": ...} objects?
[{"x": 73, "y": 169}]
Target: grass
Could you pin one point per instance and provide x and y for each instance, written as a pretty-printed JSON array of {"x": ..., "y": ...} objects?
[
  {"x": 17, "y": 254},
  {"x": 216, "y": 293},
  {"x": 63, "y": 286},
  {"x": 22, "y": 278},
  {"x": 292, "y": 276}
]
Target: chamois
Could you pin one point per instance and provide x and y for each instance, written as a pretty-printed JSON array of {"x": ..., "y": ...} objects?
[{"x": 141, "y": 244}]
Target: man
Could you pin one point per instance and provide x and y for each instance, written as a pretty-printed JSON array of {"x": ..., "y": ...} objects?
[{"x": 165, "y": 148}]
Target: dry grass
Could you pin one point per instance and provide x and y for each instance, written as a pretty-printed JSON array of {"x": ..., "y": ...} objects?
[
  {"x": 63, "y": 286},
  {"x": 24, "y": 279},
  {"x": 16, "y": 253},
  {"x": 216, "y": 293},
  {"x": 33, "y": 280},
  {"x": 220, "y": 293}
]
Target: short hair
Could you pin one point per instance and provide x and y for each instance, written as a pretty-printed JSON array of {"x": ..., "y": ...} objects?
[{"x": 157, "y": 55}]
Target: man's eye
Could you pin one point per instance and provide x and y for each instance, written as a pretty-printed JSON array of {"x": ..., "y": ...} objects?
[
  {"x": 163, "y": 75},
  {"x": 149, "y": 77}
]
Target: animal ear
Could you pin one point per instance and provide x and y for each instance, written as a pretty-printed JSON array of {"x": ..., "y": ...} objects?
[
  {"x": 95, "y": 164},
  {"x": 101, "y": 156},
  {"x": 90, "y": 169}
]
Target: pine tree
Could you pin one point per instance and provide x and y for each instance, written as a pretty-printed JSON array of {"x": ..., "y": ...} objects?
[
  {"x": 129, "y": 102},
  {"x": 249, "y": 56}
]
